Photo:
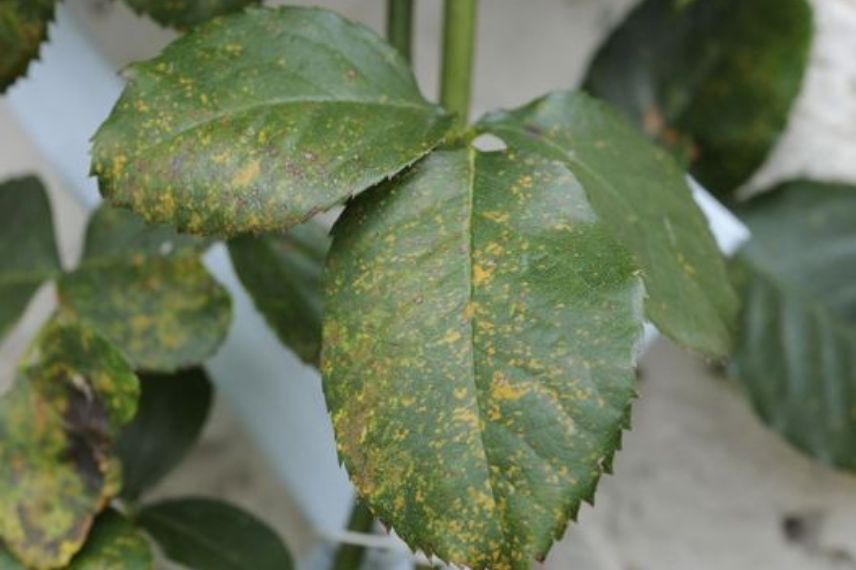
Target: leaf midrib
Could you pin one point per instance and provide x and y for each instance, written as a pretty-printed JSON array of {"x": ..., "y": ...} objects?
[
  {"x": 189, "y": 533},
  {"x": 483, "y": 419}
]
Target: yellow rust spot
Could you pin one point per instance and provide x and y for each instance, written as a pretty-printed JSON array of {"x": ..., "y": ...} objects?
[
  {"x": 452, "y": 336},
  {"x": 465, "y": 416},
  {"x": 498, "y": 217},
  {"x": 481, "y": 275},
  {"x": 247, "y": 175},
  {"x": 501, "y": 388}
]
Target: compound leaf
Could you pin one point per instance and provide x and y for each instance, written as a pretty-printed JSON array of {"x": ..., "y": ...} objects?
[
  {"x": 172, "y": 412},
  {"x": 57, "y": 424},
  {"x": 258, "y": 120},
  {"x": 643, "y": 198},
  {"x": 202, "y": 533},
  {"x": 28, "y": 254},
  {"x": 114, "y": 543},
  {"x": 479, "y": 340},
  {"x": 796, "y": 355},
  {"x": 282, "y": 273},
  {"x": 712, "y": 80},
  {"x": 183, "y": 14},
  {"x": 147, "y": 291},
  {"x": 23, "y": 28}
]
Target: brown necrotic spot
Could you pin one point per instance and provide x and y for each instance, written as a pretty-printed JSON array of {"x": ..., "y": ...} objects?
[{"x": 87, "y": 427}]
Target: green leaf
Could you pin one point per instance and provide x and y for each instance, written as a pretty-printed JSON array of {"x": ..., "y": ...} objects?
[
  {"x": 148, "y": 292},
  {"x": 8, "y": 562},
  {"x": 643, "y": 198},
  {"x": 796, "y": 355},
  {"x": 479, "y": 341},
  {"x": 282, "y": 273},
  {"x": 712, "y": 80},
  {"x": 57, "y": 425},
  {"x": 210, "y": 535},
  {"x": 114, "y": 544},
  {"x": 257, "y": 121},
  {"x": 23, "y": 27},
  {"x": 172, "y": 412},
  {"x": 184, "y": 14},
  {"x": 112, "y": 232},
  {"x": 28, "y": 255}
]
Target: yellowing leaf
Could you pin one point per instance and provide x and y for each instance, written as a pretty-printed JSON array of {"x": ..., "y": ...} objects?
[{"x": 57, "y": 426}]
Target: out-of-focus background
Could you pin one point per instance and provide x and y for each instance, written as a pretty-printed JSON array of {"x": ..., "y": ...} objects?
[{"x": 701, "y": 484}]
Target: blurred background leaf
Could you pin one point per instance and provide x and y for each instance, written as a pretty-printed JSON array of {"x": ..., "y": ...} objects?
[
  {"x": 796, "y": 356},
  {"x": 205, "y": 534},
  {"x": 711, "y": 80},
  {"x": 282, "y": 273},
  {"x": 170, "y": 417}
]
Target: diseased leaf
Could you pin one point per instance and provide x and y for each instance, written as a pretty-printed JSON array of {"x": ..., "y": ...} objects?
[
  {"x": 796, "y": 354},
  {"x": 57, "y": 425},
  {"x": 479, "y": 341},
  {"x": 114, "y": 544},
  {"x": 112, "y": 232},
  {"x": 184, "y": 14},
  {"x": 148, "y": 293},
  {"x": 164, "y": 314},
  {"x": 28, "y": 255},
  {"x": 643, "y": 198},
  {"x": 257, "y": 121},
  {"x": 202, "y": 533},
  {"x": 172, "y": 412},
  {"x": 282, "y": 273},
  {"x": 711, "y": 80},
  {"x": 23, "y": 27}
]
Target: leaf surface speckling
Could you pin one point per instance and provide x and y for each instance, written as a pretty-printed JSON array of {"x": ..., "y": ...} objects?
[
  {"x": 146, "y": 289},
  {"x": 643, "y": 198},
  {"x": 256, "y": 121},
  {"x": 57, "y": 426},
  {"x": 480, "y": 332},
  {"x": 23, "y": 28}
]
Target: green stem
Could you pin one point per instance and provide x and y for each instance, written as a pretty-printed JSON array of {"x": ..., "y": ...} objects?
[
  {"x": 350, "y": 556},
  {"x": 459, "y": 26},
  {"x": 399, "y": 26}
]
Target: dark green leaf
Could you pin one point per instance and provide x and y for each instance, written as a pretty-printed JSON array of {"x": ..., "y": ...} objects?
[
  {"x": 643, "y": 198},
  {"x": 172, "y": 412},
  {"x": 712, "y": 80},
  {"x": 282, "y": 273},
  {"x": 57, "y": 425},
  {"x": 112, "y": 232},
  {"x": 184, "y": 14},
  {"x": 23, "y": 27},
  {"x": 28, "y": 254},
  {"x": 257, "y": 121},
  {"x": 147, "y": 291},
  {"x": 479, "y": 340},
  {"x": 210, "y": 535},
  {"x": 114, "y": 544},
  {"x": 797, "y": 351}
]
